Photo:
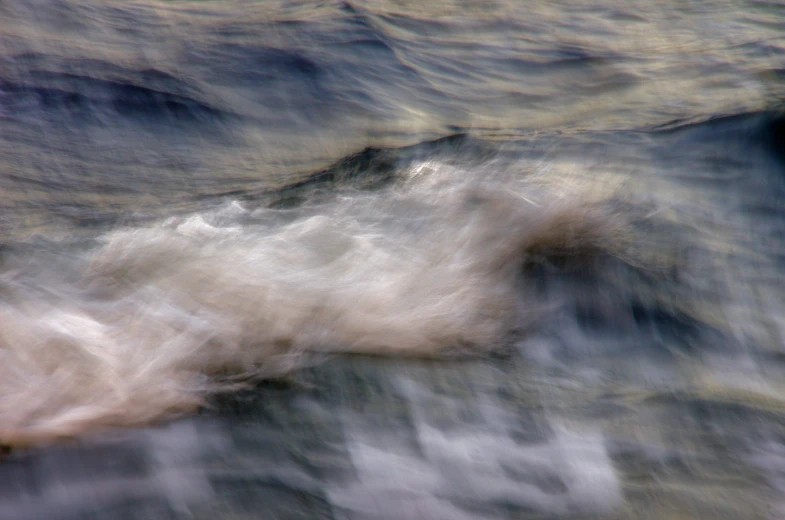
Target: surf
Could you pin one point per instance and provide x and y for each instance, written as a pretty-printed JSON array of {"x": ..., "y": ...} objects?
[{"x": 153, "y": 320}]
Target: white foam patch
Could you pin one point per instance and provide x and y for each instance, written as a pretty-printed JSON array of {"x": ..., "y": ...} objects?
[{"x": 475, "y": 466}]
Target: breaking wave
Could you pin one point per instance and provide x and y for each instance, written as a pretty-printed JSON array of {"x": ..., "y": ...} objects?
[{"x": 151, "y": 320}]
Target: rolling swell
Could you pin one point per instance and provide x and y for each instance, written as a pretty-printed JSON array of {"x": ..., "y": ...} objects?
[{"x": 154, "y": 95}]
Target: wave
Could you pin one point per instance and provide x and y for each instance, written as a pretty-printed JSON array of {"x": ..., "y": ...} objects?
[
  {"x": 153, "y": 320},
  {"x": 85, "y": 96}
]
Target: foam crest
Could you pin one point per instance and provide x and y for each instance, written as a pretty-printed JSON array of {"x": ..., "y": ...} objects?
[{"x": 157, "y": 318}]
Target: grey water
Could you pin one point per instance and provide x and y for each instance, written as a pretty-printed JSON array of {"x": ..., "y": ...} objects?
[{"x": 392, "y": 259}]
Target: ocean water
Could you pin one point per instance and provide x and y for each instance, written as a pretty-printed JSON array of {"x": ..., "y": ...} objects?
[{"x": 392, "y": 259}]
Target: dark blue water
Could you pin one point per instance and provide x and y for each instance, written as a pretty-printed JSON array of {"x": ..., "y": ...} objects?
[{"x": 552, "y": 231}]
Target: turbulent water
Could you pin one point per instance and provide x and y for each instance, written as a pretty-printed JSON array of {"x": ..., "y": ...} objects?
[{"x": 552, "y": 231}]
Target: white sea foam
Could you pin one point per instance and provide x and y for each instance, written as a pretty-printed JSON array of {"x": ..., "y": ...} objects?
[
  {"x": 569, "y": 472},
  {"x": 155, "y": 318}
]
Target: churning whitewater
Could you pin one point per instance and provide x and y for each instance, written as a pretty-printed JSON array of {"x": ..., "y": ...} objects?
[{"x": 153, "y": 319}]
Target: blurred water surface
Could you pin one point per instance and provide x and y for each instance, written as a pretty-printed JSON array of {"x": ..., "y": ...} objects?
[{"x": 304, "y": 176}]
